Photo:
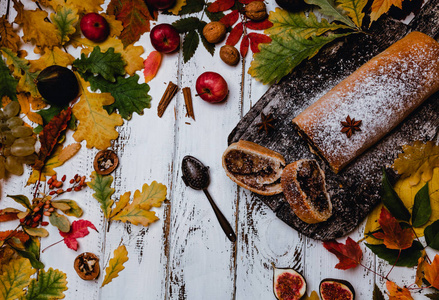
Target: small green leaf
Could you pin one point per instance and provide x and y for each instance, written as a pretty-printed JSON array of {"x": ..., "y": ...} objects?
[
  {"x": 69, "y": 207},
  {"x": 329, "y": 8},
  {"x": 65, "y": 20},
  {"x": 214, "y": 16},
  {"x": 108, "y": 64},
  {"x": 422, "y": 208},
  {"x": 408, "y": 257},
  {"x": 50, "y": 285},
  {"x": 60, "y": 221},
  {"x": 192, "y": 6},
  {"x": 8, "y": 84},
  {"x": 31, "y": 257},
  {"x": 377, "y": 294},
  {"x": 101, "y": 184},
  {"x": 39, "y": 232},
  {"x": 392, "y": 201},
  {"x": 186, "y": 24},
  {"x": 21, "y": 199},
  {"x": 190, "y": 44},
  {"x": 431, "y": 234}
]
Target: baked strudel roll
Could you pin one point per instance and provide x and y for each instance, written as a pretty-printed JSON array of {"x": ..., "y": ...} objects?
[{"x": 381, "y": 93}]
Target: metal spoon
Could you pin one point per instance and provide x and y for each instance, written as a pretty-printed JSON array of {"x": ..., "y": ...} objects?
[{"x": 196, "y": 176}]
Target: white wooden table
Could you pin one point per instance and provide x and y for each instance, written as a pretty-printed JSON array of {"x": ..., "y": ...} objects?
[{"x": 186, "y": 255}]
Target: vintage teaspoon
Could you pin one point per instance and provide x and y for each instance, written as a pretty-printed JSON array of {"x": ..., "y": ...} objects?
[{"x": 196, "y": 176}]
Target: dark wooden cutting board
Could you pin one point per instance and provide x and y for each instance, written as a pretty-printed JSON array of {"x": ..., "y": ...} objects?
[{"x": 356, "y": 189}]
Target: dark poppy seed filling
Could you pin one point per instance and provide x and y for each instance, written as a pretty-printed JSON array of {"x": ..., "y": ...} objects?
[{"x": 313, "y": 185}]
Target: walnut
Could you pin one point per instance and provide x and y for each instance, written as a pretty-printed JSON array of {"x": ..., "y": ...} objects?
[
  {"x": 229, "y": 55},
  {"x": 256, "y": 11},
  {"x": 214, "y": 32},
  {"x": 87, "y": 266}
]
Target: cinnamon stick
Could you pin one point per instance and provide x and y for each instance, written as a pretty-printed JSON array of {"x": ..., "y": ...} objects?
[
  {"x": 169, "y": 93},
  {"x": 188, "y": 101}
]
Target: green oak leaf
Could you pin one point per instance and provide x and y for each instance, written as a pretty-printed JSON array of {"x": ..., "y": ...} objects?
[
  {"x": 331, "y": 9},
  {"x": 65, "y": 20},
  {"x": 8, "y": 84},
  {"x": 190, "y": 45},
  {"x": 129, "y": 96},
  {"x": 50, "y": 285},
  {"x": 108, "y": 64},
  {"x": 101, "y": 184},
  {"x": 421, "y": 212},
  {"x": 408, "y": 257}
]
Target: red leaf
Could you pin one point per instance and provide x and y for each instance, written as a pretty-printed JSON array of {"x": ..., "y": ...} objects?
[
  {"x": 235, "y": 35},
  {"x": 8, "y": 215},
  {"x": 50, "y": 134},
  {"x": 244, "y": 46},
  {"x": 393, "y": 235},
  {"x": 259, "y": 25},
  {"x": 220, "y": 5},
  {"x": 231, "y": 18},
  {"x": 349, "y": 255},
  {"x": 152, "y": 65},
  {"x": 256, "y": 39},
  {"x": 22, "y": 236},
  {"x": 78, "y": 229},
  {"x": 248, "y": 1}
]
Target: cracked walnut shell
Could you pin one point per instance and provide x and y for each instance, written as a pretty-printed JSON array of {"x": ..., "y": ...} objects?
[
  {"x": 87, "y": 266},
  {"x": 214, "y": 32},
  {"x": 256, "y": 11}
]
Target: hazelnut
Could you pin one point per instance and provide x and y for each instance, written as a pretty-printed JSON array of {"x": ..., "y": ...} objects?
[
  {"x": 256, "y": 11},
  {"x": 87, "y": 266},
  {"x": 214, "y": 32},
  {"x": 105, "y": 162},
  {"x": 229, "y": 55}
]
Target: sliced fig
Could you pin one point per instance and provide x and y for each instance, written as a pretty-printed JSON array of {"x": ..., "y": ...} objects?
[
  {"x": 336, "y": 289},
  {"x": 288, "y": 284},
  {"x": 58, "y": 85}
]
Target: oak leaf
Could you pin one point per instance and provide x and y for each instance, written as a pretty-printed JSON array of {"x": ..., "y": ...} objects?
[
  {"x": 417, "y": 161},
  {"x": 152, "y": 65},
  {"x": 78, "y": 229},
  {"x": 349, "y": 254},
  {"x": 26, "y": 100},
  {"x": 51, "y": 284},
  {"x": 396, "y": 292},
  {"x": 220, "y": 5},
  {"x": 10, "y": 38},
  {"x": 177, "y": 7},
  {"x": 135, "y": 17},
  {"x": 101, "y": 184},
  {"x": 65, "y": 20},
  {"x": 332, "y": 9},
  {"x": 121, "y": 204},
  {"x": 393, "y": 235},
  {"x": 16, "y": 276},
  {"x": 8, "y": 84},
  {"x": 96, "y": 126},
  {"x": 354, "y": 9},
  {"x": 115, "y": 25},
  {"x": 115, "y": 266}
]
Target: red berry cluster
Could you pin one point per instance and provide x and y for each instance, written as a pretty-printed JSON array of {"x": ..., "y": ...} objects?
[
  {"x": 41, "y": 208},
  {"x": 55, "y": 185}
]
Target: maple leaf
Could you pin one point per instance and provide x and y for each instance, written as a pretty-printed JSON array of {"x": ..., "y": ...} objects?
[
  {"x": 231, "y": 18},
  {"x": 65, "y": 20},
  {"x": 129, "y": 96},
  {"x": 138, "y": 212},
  {"x": 115, "y": 266},
  {"x": 354, "y": 9},
  {"x": 50, "y": 285},
  {"x": 135, "y": 17},
  {"x": 108, "y": 64},
  {"x": 22, "y": 71},
  {"x": 396, "y": 292},
  {"x": 102, "y": 186},
  {"x": 349, "y": 254},
  {"x": 9, "y": 214},
  {"x": 50, "y": 134},
  {"x": 96, "y": 126},
  {"x": 417, "y": 161},
  {"x": 330, "y": 8},
  {"x": 16, "y": 276},
  {"x": 78, "y": 229},
  {"x": 380, "y": 7},
  {"x": 10, "y": 38},
  {"x": 393, "y": 235},
  {"x": 152, "y": 65},
  {"x": 256, "y": 39},
  {"x": 8, "y": 84},
  {"x": 220, "y": 5},
  {"x": 432, "y": 272}
]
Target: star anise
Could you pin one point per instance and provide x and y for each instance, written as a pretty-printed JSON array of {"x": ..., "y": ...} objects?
[
  {"x": 350, "y": 126},
  {"x": 267, "y": 123}
]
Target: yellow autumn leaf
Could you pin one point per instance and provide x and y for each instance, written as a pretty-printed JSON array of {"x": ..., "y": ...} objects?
[
  {"x": 131, "y": 54},
  {"x": 81, "y": 5},
  {"x": 115, "y": 265},
  {"x": 121, "y": 204},
  {"x": 177, "y": 7},
  {"x": 16, "y": 276},
  {"x": 10, "y": 38},
  {"x": 417, "y": 161},
  {"x": 36, "y": 27},
  {"x": 373, "y": 225},
  {"x": 25, "y": 100},
  {"x": 96, "y": 126},
  {"x": 116, "y": 26},
  {"x": 380, "y": 7},
  {"x": 54, "y": 56},
  {"x": 313, "y": 296}
]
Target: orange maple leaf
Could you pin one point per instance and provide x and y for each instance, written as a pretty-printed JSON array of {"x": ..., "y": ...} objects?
[
  {"x": 432, "y": 272},
  {"x": 380, "y": 7},
  {"x": 393, "y": 235},
  {"x": 396, "y": 292}
]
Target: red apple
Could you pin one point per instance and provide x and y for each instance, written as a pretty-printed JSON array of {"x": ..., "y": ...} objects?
[
  {"x": 165, "y": 38},
  {"x": 211, "y": 87},
  {"x": 161, "y": 4},
  {"x": 94, "y": 27}
]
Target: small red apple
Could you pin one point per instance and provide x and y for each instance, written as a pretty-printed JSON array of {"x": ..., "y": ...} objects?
[
  {"x": 94, "y": 27},
  {"x": 165, "y": 38},
  {"x": 161, "y": 4},
  {"x": 211, "y": 87}
]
